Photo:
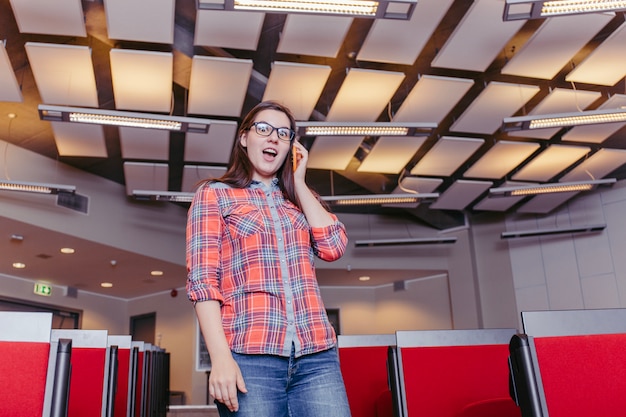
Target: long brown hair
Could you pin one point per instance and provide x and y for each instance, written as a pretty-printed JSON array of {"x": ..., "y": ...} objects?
[{"x": 240, "y": 170}]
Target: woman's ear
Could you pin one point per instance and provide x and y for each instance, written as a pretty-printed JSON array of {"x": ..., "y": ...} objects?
[{"x": 243, "y": 140}]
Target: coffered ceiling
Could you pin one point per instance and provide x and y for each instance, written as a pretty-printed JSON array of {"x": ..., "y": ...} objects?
[{"x": 454, "y": 63}]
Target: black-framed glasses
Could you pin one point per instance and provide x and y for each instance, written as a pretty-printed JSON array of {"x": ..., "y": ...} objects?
[{"x": 265, "y": 129}]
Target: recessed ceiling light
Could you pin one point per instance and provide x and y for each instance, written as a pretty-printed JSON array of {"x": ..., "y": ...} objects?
[
  {"x": 156, "y": 273},
  {"x": 106, "y": 285},
  {"x": 19, "y": 265},
  {"x": 364, "y": 278},
  {"x": 67, "y": 250}
]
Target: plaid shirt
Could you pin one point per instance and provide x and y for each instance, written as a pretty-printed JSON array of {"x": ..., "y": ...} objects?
[{"x": 253, "y": 251}]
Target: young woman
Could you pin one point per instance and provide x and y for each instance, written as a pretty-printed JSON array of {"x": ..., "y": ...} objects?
[{"x": 251, "y": 239}]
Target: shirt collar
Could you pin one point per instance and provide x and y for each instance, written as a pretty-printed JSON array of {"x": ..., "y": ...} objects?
[{"x": 259, "y": 184}]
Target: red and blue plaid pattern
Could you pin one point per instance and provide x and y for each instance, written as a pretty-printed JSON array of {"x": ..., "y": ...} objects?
[{"x": 253, "y": 251}]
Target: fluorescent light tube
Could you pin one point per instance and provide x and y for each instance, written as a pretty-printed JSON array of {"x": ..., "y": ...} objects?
[
  {"x": 123, "y": 118},
  {"x": 557, "y": 187},
  {"x": 377, "y": 199},
  {"x": 173, "y": 196},
  {"x": 36, "y": 187},
  {"x": 529, "y": 9},
  {"x": 364, "y": 129},
  {"x": 345, "y": 200},
  {"x": 380, "y": 9},
  {"x": 544, "y": 121}
]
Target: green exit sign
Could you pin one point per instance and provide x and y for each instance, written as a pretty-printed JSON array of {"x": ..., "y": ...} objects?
[{"x": 43, "y": 289}]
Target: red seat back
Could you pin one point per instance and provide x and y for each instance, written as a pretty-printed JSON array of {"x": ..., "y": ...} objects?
[
  {"x": 583, "y": 375},
  {"x": 577, "y": 362},
  {"x": 89, "y": 372},
  {"x": 363, "y": 362},
  {"x": 450, "y": 373},
  {"x": 23, "y": 370},
  {"x": 24, "y": 356},
  {"x": 122, "y": 394}
]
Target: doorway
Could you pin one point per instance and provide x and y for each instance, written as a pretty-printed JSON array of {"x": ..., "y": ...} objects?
[{"x": 143, "y": 327}]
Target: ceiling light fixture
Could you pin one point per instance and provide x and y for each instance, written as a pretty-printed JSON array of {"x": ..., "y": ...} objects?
[
  {"x": 173, "y": 196},
  {"x": 364, "y": 129},
  {"x": 340, "y": 200},
  {"x": 377, "y": 199},
  {"x": 405, "y": 241},
  {"x": 123, "y": 118},
  {"x": 36, "y": 187},
  {"x": 544, "y": 121},
  {"x": 380, "y": 9},
  {"x": 538, "y": 9},
  {"x": 559, "y": 187},
  {"x": 554, "y": 231}
]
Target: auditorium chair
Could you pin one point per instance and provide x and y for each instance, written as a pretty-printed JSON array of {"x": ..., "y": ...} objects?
[
  {"x": 570, "y": 363},
  {"x": 25, "y": 352},
  {"x": 363, "y": 360},
  {"x": 92, "y": 372},
  {"x": 452, "y": 373},
  {"x": 122, "y": 389}
]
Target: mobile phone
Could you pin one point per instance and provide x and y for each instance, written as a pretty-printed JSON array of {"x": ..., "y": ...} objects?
[{"x": 294, "y": 157}]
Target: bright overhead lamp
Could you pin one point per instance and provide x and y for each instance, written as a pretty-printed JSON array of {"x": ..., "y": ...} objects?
[
  {"x": 558, "y": 187},
  {"x": 375, "y": 9},
  {"x": 559, "y": 120},
  {"x": 341, "y": 200},
  {"x": 525, "y": 9},
  {"x": 379, "y": 199},
  {"x": 36, "y": 187},
  {"x": 553, "y": 231},
  {"x": 405, "y": 241},
  {"x": 172, "y": 196},
  {"x": 123, "y": 118},
  {"x": 364, "y": 129}
]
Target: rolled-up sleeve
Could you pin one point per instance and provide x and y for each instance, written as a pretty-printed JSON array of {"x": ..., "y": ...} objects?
[
  {"x": 329, "y": 243},
  {"x": 204, "y": 230}
]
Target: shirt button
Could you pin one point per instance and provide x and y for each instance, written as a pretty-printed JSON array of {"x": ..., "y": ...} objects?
[
  {"x": 288, "y": 301},
  {"x": 282, "y": 260}
]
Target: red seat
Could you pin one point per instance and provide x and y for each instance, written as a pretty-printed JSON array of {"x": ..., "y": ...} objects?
[
  {"x": 496, "y": 407},
  {"x": 89, "y": 373},
  {"x": 124, "y": 374},
  {"x": 24, "y": 356},
  {"x": 363, "y": 360},
  {"x": 583, "y": 375},
  {"x": 571, "y": 363},
  {"x": 446, "y": 373}
]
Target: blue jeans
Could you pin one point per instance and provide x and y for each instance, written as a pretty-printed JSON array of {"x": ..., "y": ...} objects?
[{"x": 308, "y": 386}]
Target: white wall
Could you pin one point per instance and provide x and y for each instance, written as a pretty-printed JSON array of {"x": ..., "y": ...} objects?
[
  {"x": 578, "y": 271},
  {"x": 455, "y": 259},
  {"x": 423, "y": 304},
  {"x": 494, "y": 279},
  {"x": 98, "y": 312},
  {"x": 113, "y": 218}
]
